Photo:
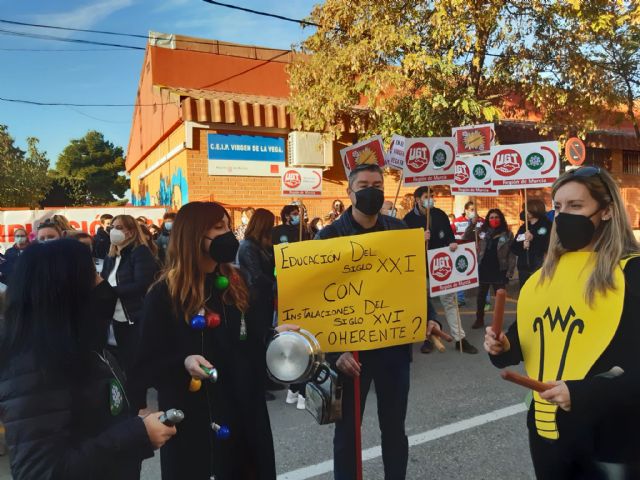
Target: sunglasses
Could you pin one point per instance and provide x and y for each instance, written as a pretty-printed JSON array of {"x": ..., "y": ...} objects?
[{"x": 590, "y": 171}]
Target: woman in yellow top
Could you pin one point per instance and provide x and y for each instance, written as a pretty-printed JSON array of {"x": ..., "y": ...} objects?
[{"x": 577, "y": 330}]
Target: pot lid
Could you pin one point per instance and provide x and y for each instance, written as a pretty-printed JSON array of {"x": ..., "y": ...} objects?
[{"x": 289, "y": 356}]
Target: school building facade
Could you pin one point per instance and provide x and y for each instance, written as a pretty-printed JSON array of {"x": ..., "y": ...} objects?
[{"x": 212, "y": 123}]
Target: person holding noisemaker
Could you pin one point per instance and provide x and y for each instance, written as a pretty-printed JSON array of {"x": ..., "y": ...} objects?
[
  {"x": 387, "y": 367},
  {"x": 577, "y": 331},
  {"x": 202, "y": 346}
]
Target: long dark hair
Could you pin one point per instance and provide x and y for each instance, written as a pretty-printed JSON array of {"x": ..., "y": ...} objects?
[
  {"x": 260, "y": 226},
  {"x": 44, "y": 302},
  {"x": 503, "y": 222},
  {"x": 183, "y": 274}
]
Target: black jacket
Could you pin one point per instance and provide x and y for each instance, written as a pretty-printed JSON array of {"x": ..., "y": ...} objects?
[
  {"x": 541, "y": 231},
  {"x": 345, "y": 226},
  {"x": 237, "y": 399},
  {"x": 257, "y": 262},
  {"x": 11, "y": 256},
  {"x": 288, "y": 234},
  {"x": 136, "y": 272},
  {"x": 440, "y": 226},
  {"x": 59, "y": 422},
  {"x": 163, "y": 243},
  {"x": 101, "y": 243}
]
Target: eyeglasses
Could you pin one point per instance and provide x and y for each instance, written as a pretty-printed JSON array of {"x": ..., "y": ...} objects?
[{"x": 590, "y": 171}]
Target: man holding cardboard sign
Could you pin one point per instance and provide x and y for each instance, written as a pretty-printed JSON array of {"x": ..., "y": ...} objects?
[{"x": 388, "y": 367}]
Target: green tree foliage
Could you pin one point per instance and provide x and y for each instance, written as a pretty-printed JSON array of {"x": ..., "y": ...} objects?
[
  {"x": 419, "y": 68},
  {"x": 95, "y": 165},
  {"x": 66, "y": 192},
  {"x": 23, "y": 175}
]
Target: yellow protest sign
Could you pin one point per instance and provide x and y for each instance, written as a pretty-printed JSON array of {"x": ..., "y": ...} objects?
[{"x": 355, "y": 293}]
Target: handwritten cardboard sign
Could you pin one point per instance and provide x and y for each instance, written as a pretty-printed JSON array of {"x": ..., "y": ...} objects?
[
  {"x": 473, "y": 176},
  {"x": 525, "y": 165},
  {"x": 474, "y": 139},
  {"x": 395, "y": 157},
  {"x": 355, "y": 293},
  {"x": 428, "y": 161},
  {"x": 370, "y": 151},
  {"x": 452, "y": 271},
  {"x": 301, "y": 182}
]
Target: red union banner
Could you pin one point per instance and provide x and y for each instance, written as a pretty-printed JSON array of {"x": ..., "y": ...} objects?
[
  {"x": 473, "y": 176},
  {"x": 474, "y": 139},
  {"x": 302, "y": 182},
  {"x": 452, "y": 271},
  {"x": 428, "y": 161},
  {"x": 526, "y": 165},
  {"x": 85, "y": 219}
]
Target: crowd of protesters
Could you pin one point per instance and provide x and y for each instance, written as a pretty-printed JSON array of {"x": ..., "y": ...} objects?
[{"x": 91, "y": 323}]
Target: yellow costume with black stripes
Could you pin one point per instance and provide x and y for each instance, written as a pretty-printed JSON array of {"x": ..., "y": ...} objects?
[{"x": 561, "y": 336}]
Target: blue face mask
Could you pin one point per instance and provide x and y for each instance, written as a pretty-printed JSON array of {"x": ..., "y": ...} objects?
[
  {"x": 295, "y": 219},
  {"x": 168, "y": 226},
  {"x": 428, "y": 203}
]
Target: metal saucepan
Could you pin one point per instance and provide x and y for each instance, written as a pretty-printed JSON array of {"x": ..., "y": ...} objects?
[{"x": 294, "y": 357}]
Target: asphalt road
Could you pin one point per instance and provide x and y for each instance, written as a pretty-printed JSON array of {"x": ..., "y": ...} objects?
[{"x": 463, "y": 421}]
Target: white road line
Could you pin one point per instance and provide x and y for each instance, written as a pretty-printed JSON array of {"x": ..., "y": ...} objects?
[{"x": 417, "y": 439}]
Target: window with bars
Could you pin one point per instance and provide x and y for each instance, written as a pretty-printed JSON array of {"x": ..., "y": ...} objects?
[
  {"x": 600, "y": 157},
  {"x": 631, "y": 162}
]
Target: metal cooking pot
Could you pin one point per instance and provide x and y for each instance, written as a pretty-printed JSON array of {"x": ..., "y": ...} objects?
[{"x": 294, "y": 357}]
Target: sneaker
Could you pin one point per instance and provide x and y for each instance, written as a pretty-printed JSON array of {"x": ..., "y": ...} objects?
[
  {"x": 466, "y": 347},
  {"x": 291, "y": 397},
  {"x": 301, "y": 403},
  {"x": 487, "y": 307},
  {"x": 427, "y": 347}
]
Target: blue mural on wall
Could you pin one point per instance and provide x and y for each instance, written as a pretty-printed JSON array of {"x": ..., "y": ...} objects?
[{"x": 171, "y": 187}]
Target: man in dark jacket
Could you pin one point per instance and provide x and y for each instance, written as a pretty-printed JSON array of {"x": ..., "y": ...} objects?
[
  {"x": 387, "y": 367},
  {"x": 438, "y": 235},
  {"x": 165, "y": 233},
  {"x": 101, "y": 240},
  {"x": 532, "y": 241},
  {"x": 289, "y": 231}
]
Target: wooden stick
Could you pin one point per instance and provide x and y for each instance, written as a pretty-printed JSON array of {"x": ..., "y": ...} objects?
[
  {"x": 357, "y": 420},
  {"x": 524, "y": 381},
  {"x": 428, "y": 215},
  {"x": 395, "y": 201},
  {"x": 498, "y": 312},
  {"x": 437, "y": 343},
  {"x": 301, "y": 208}
]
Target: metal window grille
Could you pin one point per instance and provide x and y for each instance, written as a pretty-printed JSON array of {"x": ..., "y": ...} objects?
[{"x": 631, "y": 162}]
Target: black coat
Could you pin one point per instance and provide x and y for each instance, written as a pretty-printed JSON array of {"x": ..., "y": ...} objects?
[
  {"x": 237, "y": 399},
  {"x": 58, "y": 421},
  {"x": 541, "y": 231},
  {"x": 101, "y": 243},
  {"x": 11, "y": 257},
  {"x": 136, "y": 272},
  {"x": 258, "y": 264},
  {"x": 440, "y": 226}
]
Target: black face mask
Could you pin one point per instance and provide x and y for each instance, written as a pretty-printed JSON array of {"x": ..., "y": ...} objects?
[
  {"x": 224, "y": 248},
  {"x": 574, "y": 231},
  {"x": 369, "y": 200}
]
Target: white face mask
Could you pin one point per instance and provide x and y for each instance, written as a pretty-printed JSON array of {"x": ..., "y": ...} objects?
[
  {"x": 244, "y": 220},
  {"x": 117, "y": 237},
  {"x": 471, "y": 215},
  {"x": 20, "y": 239}
]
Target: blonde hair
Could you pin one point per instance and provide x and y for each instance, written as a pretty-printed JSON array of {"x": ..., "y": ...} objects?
[
  {"x": 615, "y": 239},
  {"x": 185, "y": 254},
  {"x": 136, "y": 239}
]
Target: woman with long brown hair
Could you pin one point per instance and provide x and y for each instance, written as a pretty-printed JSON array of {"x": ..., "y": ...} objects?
[
  {"x": 577, "y": 330},
  {"x": 130, "y": 268},
  {"x": 198, "y": 316}
]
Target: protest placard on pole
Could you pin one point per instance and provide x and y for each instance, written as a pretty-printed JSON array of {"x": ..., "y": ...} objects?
[
  {"x": 429, "y": 161},
  {"x": 301, "y": 182},
  {"x": 355, "y": 293},
  {"x": 451, "y": 272},
  {"x": 525, "y": 165},
  {"x": 370, "y": 151},
  {"x": 474, "y": 139},
  {"x": 473, "y": 176},
  {"x": 395, "y": 157}
]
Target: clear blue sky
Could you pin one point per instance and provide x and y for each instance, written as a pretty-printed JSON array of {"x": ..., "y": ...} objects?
[{"x": 110, "y": 76}]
